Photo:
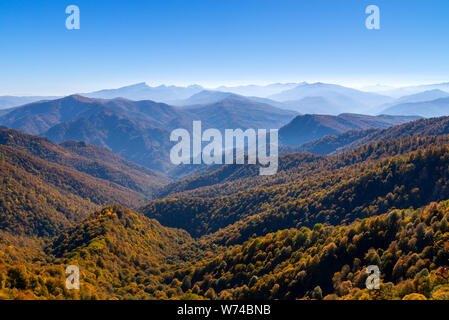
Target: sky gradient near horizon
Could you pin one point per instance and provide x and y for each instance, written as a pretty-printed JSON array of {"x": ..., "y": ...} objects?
[{"x": 219, "y": 42}]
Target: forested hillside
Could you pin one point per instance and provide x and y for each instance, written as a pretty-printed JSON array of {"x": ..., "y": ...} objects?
[
  {"x": 308, "y": 127},
  {"x": 328, "y": 196},
  {"x": 349, "y": 140},
  {"x": 121, "y": 254},
  {"x": 411, "y": 248},
  {"x": 46, "y": 188},
  {"x": 307, "y": 232}
]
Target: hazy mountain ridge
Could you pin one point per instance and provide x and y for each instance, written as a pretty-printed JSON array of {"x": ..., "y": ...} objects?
[
  {"x": 301, "y": 97},
  {"x": 141, "y": 91},
  {"x": 305, "y": 128},
  {"x": 231, "y": 179},
  {"x": 410, "y": 90},
  {"x": 40, "y": 197},
  {"x": 341, "y": 98},
  {"x": 262, "y": 91},
  {"x": 428, "y": 109},
  {"x": 13, "y": 101}
]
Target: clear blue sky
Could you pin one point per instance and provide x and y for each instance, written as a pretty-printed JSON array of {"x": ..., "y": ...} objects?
[{"x": 213, "y": 42}]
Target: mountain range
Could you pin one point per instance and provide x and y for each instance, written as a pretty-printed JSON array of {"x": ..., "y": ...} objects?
[
  {"x": 258, "y": 90},
  {"x": 336, "y": 98},
  {"x": 137, "y": 130},
  {"x": 141, "y": 91},
  {"x": 410, "y": 90},
  {"x": 301, "y": 97}
]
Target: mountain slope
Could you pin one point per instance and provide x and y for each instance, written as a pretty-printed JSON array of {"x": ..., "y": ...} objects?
[
  {"x": 137, "y": 130},
  {"x": 370, "y": 144},
  {"x": 37, "y": 118},
  {"x": 318, "y": 249},
  {"x": 331, "y": 144},
  {"x": 31, "y": 206},
  {"x": 46, "y": 188},
  {"x": 332, "y": 190},
  {"x": 410, "y": 90},
  {"x": 429, "y": 95},
  {"x": 418, "y": 128},
  {"x": 308, "y": 127},
  {"x": 258, "y": 90},
  {"x": 121, "y": 255},
  {"x": 118, "y": 228},
  {"x": 235, "y": 112},
  {"x": 95, "y": 161},
  {"x": 331, "y": 262}
]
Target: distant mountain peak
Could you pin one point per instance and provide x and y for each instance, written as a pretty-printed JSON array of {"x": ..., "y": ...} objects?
[
  {"x": 142, "y": 91},
  {"x": 140, "y": 85},
  {"x": 77, "y": 97}
]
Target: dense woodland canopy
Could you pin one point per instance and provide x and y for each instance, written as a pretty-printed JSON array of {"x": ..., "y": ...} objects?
[{"x": 308, "y": 232}]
